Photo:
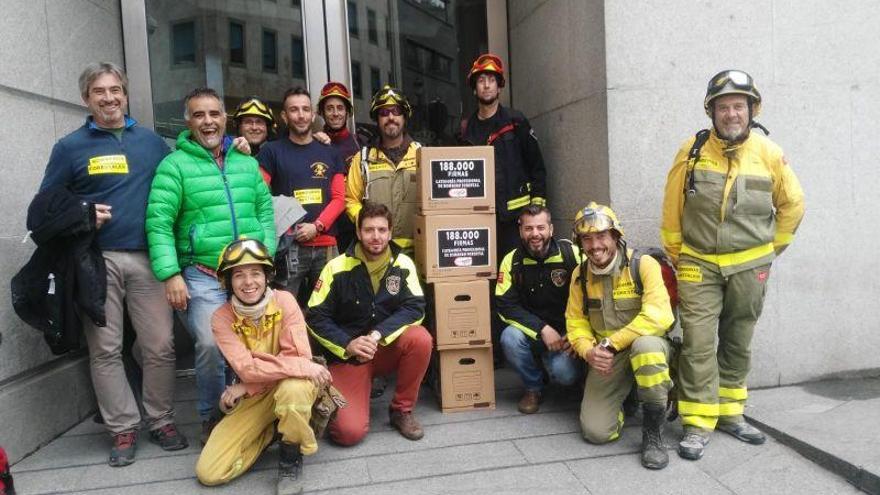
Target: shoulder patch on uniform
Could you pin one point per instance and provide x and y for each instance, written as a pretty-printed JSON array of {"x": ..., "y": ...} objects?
[
  {"x": 318, "y": 284},
  {"x": 500, "y": 277},
  {"x": 784, "y": 160},
  {"x": 392, "y": 284},
  {"x": 558, "y": 276}
]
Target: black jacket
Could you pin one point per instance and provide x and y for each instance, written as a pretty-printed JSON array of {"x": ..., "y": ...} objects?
[
  {"x": 533, "y": 292},
  {"x": 520, "y": 176},
  {"x": 344, "y": 307},
  {"x": 66, "y": 276}
]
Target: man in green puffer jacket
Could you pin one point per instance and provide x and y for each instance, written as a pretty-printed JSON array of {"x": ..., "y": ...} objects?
[{"x": 204, "y": 195}]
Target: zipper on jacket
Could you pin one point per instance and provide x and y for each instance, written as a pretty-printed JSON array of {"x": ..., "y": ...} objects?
[
  {"x": 192, "y": 243},
  {"x": 229, "y": 198}
]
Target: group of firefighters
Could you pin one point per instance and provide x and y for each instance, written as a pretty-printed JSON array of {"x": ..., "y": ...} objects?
[{"x": 208, "y": 243}]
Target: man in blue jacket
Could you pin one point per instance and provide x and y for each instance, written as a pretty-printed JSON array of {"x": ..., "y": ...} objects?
[{"x": 110, "y": 161}]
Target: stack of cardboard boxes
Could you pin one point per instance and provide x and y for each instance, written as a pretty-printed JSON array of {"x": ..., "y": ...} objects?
[{"x": 455, "y": 254}]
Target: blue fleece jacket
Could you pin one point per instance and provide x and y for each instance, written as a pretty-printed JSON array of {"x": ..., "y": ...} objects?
[{"x": 96, "y": 166}]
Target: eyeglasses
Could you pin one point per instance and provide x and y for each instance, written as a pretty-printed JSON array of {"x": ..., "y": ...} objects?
[
  {"x": 391, "y": 110},
  {"x": 737, "y": 78},
  {"x": 237, "y": 249}
]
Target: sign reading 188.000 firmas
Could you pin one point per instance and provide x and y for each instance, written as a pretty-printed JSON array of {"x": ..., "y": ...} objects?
[
  {"x": 462, "y": 247},
  {"x": 458, "y": 179}
]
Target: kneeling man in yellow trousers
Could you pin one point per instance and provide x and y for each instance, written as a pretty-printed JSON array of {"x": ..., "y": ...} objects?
[{"x": 262, "y": 335}]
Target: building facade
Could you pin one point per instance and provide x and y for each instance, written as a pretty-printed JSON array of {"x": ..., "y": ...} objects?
[{"x": 611, "y": 88}]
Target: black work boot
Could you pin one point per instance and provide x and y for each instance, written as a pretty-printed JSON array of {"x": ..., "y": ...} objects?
[
  {"x": 654, "y": 454},
  {"x": 290, "y": 477}
]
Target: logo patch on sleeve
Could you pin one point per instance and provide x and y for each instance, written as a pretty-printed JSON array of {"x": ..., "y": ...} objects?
[
  {"x": 108, "y": 164},
  {"x": 318, "y": 284},
  {"x": 392, "y": 283}
]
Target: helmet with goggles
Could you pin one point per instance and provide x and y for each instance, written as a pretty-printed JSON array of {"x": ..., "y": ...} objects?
[
  {"x": 389, "y": 96},
  {"x": 595, "y": 218},
  {"x": 338, "y": 90},
  {"x": 243, "y": 252},
  {"x": 253, "y": 106},
  {"x": 729, "y": 82},
  {"x": 490, "y": 63}
]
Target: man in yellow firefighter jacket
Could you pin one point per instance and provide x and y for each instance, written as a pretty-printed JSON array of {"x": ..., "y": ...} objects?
[
  {"x": 385, "y": 171},
  {"x": 732, "y": 204},
  {"x": 617, "y": 317}
]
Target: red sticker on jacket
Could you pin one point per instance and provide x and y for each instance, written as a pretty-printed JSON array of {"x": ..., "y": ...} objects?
[{"x": 762, "y": 276}]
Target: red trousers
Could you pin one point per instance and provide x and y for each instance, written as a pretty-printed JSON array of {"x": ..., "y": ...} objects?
[{"x": 408, "y": 355}]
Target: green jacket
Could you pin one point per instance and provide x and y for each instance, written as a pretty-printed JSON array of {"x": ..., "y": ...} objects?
[{"x": 195, "y": 209}]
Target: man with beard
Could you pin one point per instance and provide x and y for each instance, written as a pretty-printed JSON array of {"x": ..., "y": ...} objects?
[
  {"x": 385, "y": 171},
  {"x": 110, "y": 161},
  {"x": 253, "y": 121},
  {"x": 335, "y": 107},
  {"x": 366, "y": 313},
  {"x": 314, "y": 174},
  {"x": 519, "y": 165},
  {"x": 732, "y": 205},
  {"x": 205, "y": 195},
  {"x": 618, "y": 326},
  {"x": 531, "y": 295}
]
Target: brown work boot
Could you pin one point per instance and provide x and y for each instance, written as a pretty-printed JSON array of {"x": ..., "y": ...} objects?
[
  {"x": 530, "y": 402},
  {"x": 407, "y": 424}
]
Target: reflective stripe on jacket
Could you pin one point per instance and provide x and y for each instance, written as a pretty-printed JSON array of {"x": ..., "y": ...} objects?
[
  {"x": 520, "y": 176},
  {"x": 614, "y": 308},
  {"x": 343, "y": 305},
  {"x": 745, "y": 209},
  {"x": 531, "y": 293},
  {"x": 380, "y": 181}
]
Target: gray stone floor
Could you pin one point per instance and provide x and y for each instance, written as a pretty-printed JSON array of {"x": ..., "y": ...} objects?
[{"x": 499, "y": 451}]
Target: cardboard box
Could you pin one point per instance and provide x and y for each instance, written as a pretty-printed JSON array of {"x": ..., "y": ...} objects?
[
  {"x": 456, "y": 180},
  {"x": 467, "y": 379},
  {"x": 461, "y": 314},
  {"x": 455, "y": 247}
]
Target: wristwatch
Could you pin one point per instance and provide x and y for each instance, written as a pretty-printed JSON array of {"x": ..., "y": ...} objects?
[{"x": 607, "y": 345}]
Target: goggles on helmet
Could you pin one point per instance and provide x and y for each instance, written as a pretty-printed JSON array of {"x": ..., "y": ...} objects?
[
  {"x": 388, "y": 97},
  {"x": 593, "y": 221},
  {"x": 335, "y": 89},
  {"x": 254, "y": 107},
  {"x": 236, "y": 250},
  {"x": 736, "y": 78}
]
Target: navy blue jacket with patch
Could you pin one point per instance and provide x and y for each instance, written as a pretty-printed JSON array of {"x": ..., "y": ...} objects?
[
  {"x": 344, "y": 307},
  {"x": 99, "y": 168}
]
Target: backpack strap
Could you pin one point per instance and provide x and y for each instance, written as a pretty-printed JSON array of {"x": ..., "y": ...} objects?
[
  {"x": 365, "y": 171},
  {"x": 634, "y": 262},
  {"x": 567, "y": 250},
  {"x": 693, "y": 157}
]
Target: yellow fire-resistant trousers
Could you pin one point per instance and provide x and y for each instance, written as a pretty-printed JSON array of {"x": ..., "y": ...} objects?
[
  {"x": 240, "y": 437},
  {"x": 712, "y": 383},
  {"x": 646, "y": 362}
]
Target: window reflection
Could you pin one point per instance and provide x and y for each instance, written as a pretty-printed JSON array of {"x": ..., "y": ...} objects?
[
  {"x": 239, "y": 48},
  {"x": 425, "y": 48}
]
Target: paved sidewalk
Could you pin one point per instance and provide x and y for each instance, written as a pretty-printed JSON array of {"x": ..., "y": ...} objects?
[
  {"x": 835, "y": 423},
  {"x": 498, "y": 452}
]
